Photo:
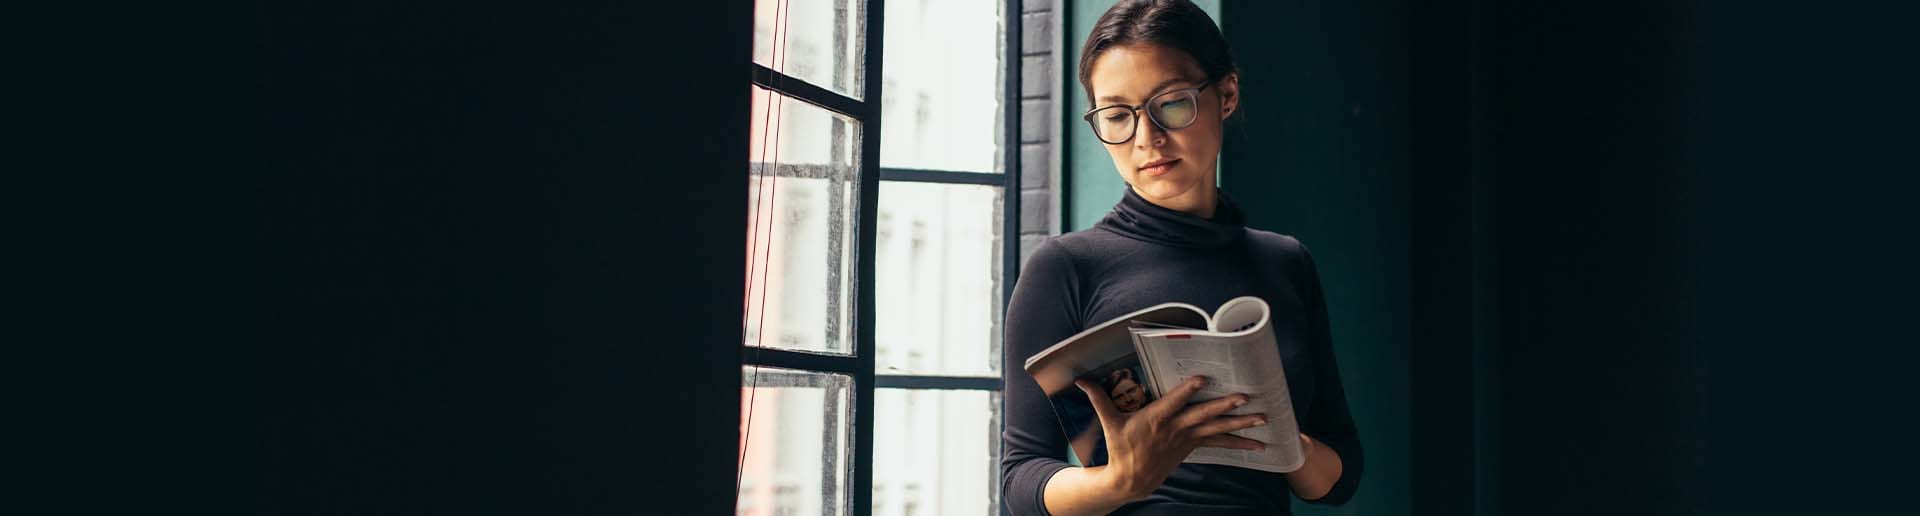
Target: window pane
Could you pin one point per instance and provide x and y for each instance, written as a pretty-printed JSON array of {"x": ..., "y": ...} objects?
[
  {"x": 795, "y": 428},
  {"x": 801, "y": 218},
  {"x": 934, "y": 452},
  {"x": 820, "y": 42},
  {"x": 937, "y": 279},
  {"x": 941, "y": 95}
]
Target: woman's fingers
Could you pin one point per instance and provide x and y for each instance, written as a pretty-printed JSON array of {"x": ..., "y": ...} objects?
[
  {"x": 1221, "y": 425},
  {"x": 1233, "y": 442},
  {"x": 1103, "y": 406},
  {"x": 1175, "y": 399},
  {"x": 1206, "y": 410}
]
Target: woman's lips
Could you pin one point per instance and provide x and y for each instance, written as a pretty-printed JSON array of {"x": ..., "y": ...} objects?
[{"x": 1159, "y": 169}]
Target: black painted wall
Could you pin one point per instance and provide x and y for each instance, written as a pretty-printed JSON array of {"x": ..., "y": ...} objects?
[
  {"x": 1654, "y": 251},
  {"x": 1687, "y": 268},
  {"x": 1594, "y": 370},
  {"x": 1678, "y": 234},
  {"x": 499, "y": 256}
]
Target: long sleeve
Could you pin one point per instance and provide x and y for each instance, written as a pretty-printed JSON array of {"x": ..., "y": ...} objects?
[
  {"x": 1331, "y": 422},
  {"x": 1040, "y": 314}
]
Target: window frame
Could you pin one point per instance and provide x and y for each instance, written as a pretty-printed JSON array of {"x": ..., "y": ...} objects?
[{"x": 859, "y": 362}]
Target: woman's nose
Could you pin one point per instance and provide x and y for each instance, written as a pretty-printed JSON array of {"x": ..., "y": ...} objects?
[{"x": 1147, "y": 133}]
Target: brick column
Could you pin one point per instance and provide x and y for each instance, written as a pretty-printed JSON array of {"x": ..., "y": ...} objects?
[{"x": 1039, "y": 123}]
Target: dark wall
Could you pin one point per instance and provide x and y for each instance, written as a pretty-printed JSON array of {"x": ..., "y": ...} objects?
[
  {"x": 499, "y": 256},
  {"x": 1652, "y": 251},
  {"x": 1801, "y": 254},
  {"x": 1676, "y": 233},
  {"x": 1584, "y": 112}
]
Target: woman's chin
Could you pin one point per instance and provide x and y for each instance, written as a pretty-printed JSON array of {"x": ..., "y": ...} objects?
[{"x": 1163, "y": 188}]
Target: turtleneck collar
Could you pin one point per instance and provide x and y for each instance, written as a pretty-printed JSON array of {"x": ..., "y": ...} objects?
[{"x": 1137, "y": 218}]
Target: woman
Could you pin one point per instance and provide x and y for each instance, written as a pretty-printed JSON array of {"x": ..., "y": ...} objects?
[{"x": 1163, "y": 83}]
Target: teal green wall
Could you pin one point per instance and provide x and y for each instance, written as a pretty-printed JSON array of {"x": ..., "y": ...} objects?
[{"x": 1318, "y": 153}]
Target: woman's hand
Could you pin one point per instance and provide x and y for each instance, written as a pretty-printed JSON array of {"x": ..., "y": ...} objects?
[{"x": 1144, "y": 446}]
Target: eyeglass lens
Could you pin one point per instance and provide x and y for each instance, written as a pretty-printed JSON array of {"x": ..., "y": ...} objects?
[{"x": 1171, "y": 110}]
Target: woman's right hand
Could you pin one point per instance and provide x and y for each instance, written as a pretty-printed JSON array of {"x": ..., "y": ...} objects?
[{"x": 1145, "y": 446}]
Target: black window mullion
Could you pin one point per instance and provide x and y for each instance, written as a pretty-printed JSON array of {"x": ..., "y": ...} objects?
[
  {"x": 942, "y": 176},
  {"x": 800, "y": 360},
  {"x": 1010, "y": 152},
  {"x": 964, "y": 383},
  {"x": 874, "y": 35},
  {"x": 804, "y": 91},
  {"x": 1012, "y": 20}
]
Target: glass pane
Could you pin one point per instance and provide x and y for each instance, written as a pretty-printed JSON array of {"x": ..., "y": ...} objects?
[
  {"x": 937, "y": 279},
  {"x": 800, "y": 234},
  {"x": 934, "y": 452},
  {"x": 941, "y": 94},
  {"x": 818, "y": 41},
  {"x": 796, "y": 433}
]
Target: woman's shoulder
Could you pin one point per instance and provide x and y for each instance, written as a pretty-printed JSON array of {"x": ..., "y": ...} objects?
[
  {"x": 1052, "y": 256},
  {"x": 1077, "y": 255},
  {"x": 1279, "y": 244},
  {"x": 1074, "y": 246}
]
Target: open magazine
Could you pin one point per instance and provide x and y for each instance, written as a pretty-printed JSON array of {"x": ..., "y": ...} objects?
[{"x": 1137, "y": 357}]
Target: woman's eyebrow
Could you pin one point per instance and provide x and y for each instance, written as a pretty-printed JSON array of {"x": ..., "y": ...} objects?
[{"x": 1154, "y": 91}]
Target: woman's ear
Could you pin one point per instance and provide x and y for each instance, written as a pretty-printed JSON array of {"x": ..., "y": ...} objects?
[{"x": 1229, "y": 95}]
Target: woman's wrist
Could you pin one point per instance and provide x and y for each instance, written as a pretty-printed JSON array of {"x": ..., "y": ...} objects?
[
  {"x": 1122, "y": 487},
  {"x": 1318, "y": 473},
  {"x": 1110, "y": 485}
]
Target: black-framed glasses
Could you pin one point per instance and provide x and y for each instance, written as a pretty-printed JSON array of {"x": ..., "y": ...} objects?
[{"x": 1170, "y": 110}]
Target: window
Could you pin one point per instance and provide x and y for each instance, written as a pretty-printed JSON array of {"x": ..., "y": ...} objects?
[{"x": 881, "y": 252}]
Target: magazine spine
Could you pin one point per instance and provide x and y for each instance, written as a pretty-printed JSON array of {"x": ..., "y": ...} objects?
[{"x": 1147, "y": 367}]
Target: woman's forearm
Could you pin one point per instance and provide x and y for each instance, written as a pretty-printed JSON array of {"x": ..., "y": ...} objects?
[
  {"x": 1316, "y": 477},
  {"x": 1077, "y": 490}
]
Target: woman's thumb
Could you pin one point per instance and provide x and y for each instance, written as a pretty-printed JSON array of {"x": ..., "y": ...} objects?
[{"x": 1102, "y": 405}]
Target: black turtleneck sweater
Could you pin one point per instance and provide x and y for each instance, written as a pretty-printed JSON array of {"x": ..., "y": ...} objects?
[{"x": 1142, "y": 255}]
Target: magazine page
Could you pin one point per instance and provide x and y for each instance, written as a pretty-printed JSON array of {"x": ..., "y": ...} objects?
[
  {"x": 1240, "y": 315},
  {"x": 1246, "y": 360},
  {"x": 1124, "y": 381},
  {"x": 1056, "y": 367}
]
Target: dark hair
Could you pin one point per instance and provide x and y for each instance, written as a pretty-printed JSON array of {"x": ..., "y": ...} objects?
[{"x": 1175, "y": 24}]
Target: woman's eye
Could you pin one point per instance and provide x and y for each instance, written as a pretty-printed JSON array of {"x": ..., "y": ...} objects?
[
  {"x": 1174, "y": 104},
  {"x": 1116, "y": 118}
]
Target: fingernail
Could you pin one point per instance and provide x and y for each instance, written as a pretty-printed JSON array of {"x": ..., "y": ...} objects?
[
  {"x": 1260, "y": 422},
  {"x": 1238, "y": 402}
]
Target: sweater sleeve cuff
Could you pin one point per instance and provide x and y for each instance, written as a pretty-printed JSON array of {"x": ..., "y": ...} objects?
[{"x": 1020, "y": 502}]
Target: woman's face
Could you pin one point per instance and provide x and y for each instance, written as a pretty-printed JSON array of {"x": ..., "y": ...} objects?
[{"x": 1130, "y": 74}]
